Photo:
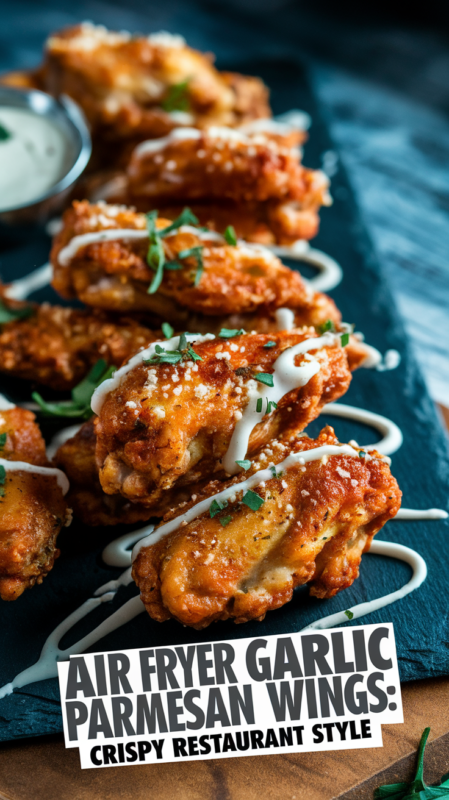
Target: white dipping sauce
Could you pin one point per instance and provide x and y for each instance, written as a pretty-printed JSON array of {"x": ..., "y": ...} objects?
[{"x": 34, "y": 157}]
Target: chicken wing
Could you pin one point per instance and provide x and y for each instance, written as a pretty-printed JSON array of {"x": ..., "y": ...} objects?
[
  {"x": 138, "y": 87},
  {"x": 173, "y": 419},
  {"x": 32, "y": 505},
  {"x": 249, "y": 180},
  {"x": 100, "y": 256},
  {"x": 57, "y": 346},
  {"x": 242, "y": 552}
]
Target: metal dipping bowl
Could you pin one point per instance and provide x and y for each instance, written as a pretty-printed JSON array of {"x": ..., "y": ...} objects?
[{"x": 68, "y": 117}]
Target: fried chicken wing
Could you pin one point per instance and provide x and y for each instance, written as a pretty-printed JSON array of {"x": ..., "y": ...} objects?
[
  {"x": 257, "y": 182},
  {"x": 32, "y": 505},
  {"x": 163, "y": 425},
  {"x": 133, "y": 88},
  {"x": 57, "y": 346},
  {"x": 309, "y": 524},
  {"x": 100, "y": 256}
]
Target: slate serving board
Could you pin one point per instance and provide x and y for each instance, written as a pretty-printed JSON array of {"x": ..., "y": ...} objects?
[{"x": 421, "y": 467}]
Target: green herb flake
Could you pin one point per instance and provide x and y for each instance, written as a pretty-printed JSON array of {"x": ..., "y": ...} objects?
[
  {"x": 253, "y": 500},
  {"x": 3, "y": 437},
  {"x": 270, "y": 405},
  {"x": 216, "y": 506},
  {"x": 5, "y": 134},
  {"x": 195, "y": 252},
  {"x": 79, "y": 405},
  {"x": 2, "y": 480},
  {"x": 264, "y": 377},
  {"x": 259, "y": 405},
  {"x": 362, "y": 454},
  {"x": 273, "y": 471},
  {"x": 167, "y": 330},
  {"x": 230, "y": 235},
  {"x": 186, "y": 217},
  {"x": 269, "y": 344},
  {"x": 177, "y": 98},
  {"x": 229, "y": 333},
  {"x": 12, "y": 314},
  {"x": 326, "y": 326},
  {"x": 345, "y": 339},
  {"x": 245, "y": 463},
  {"x": 224, "y": 521},
  {"x": 156, "y": 254},
  {"x": 349, "y": 614}
]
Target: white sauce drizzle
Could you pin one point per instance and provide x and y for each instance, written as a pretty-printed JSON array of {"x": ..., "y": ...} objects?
[
  {"x": 392, "y": 550},
  {"x": 375, "y": 360},
  {"x": 176, "y": 135},
  {"x": 392, "y": 434},
  {"x": 23, "y": 466},
  {"x": 61, "y": 438},
  {"x": 331, "y": 273},
  {"x": 285, "y": 319},
  {"x": 113, "y": 383},
  {"x": 23, "y": 287},
  {"x": 67, "y": 253},
  {"x": 286, "y": 377},
  {"x": 427, "y": 513},
  {"x": 295, "y": 119},
  {"x": 276, "y": 126}
]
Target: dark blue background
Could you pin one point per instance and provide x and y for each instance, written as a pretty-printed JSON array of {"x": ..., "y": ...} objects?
[{"x": 421, "y": 465}]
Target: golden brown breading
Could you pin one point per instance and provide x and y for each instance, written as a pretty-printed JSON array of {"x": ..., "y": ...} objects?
[
  {"x": 76, "y": 457},
  {"x": 114, "y": 274},
  {"x": 57, "y": 346},
  {"x": 313, "y": 526},
  {"x": 171, "y": 425},
  {"x": 257, "y": 182},
  {"x": 124, "y": 83},
  {"x": 32, "y": 508}
]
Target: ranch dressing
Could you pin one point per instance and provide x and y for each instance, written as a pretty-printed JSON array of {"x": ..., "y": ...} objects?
[{"x": 34, "y": 156}]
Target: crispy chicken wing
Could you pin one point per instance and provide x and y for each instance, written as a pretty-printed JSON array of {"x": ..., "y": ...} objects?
[
  {"x": 310, "y": 524},
  {"x": 113, "y": 273},
  {"x": 173, "y": 424},
  {"x": 32, "y": 506},
  {"x": 57, "y": 346},
  {"x": 138, "y": 87},
  {"x": 251, "y": 180}
]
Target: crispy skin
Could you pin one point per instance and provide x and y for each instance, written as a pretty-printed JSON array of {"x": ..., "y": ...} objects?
[
  {"x": 76, "y": 457},
  {"x": 57, "y": 346},
  {"x": 170, "y": 426},
  {"x": 121, "y": 82},
  {"x": 313, "y": 527},
  {"x": 114, "y": 275},
  {"x": 32, "y": 509},
  {"x": 252, "y": 182}
]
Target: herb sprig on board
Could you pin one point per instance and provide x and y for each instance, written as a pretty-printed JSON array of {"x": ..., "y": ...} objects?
[
  {"x": 79, "y": 405},
  {"x": 417, "y": 789}
]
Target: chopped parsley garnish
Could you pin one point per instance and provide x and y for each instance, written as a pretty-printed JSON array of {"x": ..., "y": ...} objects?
[
  {"x": 177, "y": 98},
  {"x": 11, "y": 314},
  {"x": 245, "y": 463},
  {"x": 362, "y": 454},
  {"x": 3, "y": 437},
  {"x": 216, "y": 506},
  {"x": 156, "y": 255},
  {"x": 229, "y": 333},
  {"x": 349, "y": 614},
  {"x": 2, "y": 480},
  {"x": 5, "y": 134},
  {"x": 344, "y": 339},
  {"x": 224, "y": 521},
  {"x": 196, "y": 252},
  {"x": 264, "y": 377},
  {"x": 79, "y": 405},
  {"x": 167, "y": 330},
  {"x": 269, "y": 344},
  {"x": 184, "y": 352},
  {"x": 230, "y": 235},
  {"x": 273, "y": 471},
  {"x": 253, "y": 500},
  {"x": 270, "y": 405},
  {"x": 326, "y": 326},
  {"x": 259, "y": 404}
]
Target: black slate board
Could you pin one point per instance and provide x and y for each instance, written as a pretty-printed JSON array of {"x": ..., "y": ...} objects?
[{"x": 421, "y": 467}]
